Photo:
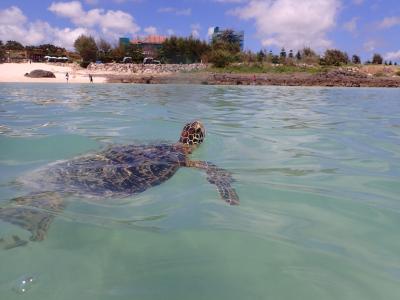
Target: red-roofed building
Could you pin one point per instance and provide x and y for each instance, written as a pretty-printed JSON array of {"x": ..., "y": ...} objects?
[{"x": 150, "y": 44}]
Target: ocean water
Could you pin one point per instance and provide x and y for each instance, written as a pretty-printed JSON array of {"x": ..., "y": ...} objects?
[{"x": 317, "y": 171}]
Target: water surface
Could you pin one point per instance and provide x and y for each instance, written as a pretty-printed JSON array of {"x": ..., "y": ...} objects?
[{"x": 317, "y": 171}]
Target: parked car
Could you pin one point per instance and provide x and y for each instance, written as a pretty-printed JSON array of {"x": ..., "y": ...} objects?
[
  {"x": 150, "y": 60},
  {"x": 127, "y": 60}
]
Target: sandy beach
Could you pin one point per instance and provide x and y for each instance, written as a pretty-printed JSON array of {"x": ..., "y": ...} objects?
[{"x": 14, "y": 72}]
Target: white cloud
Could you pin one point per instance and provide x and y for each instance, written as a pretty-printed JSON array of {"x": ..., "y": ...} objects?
[
  {"x": 291, "y": 23},
  {"x": 195, "y": 30},
  {"x": 170, "y": 31},
  {"x": 150, "y": 30},
  {"x": 351, "y": 26},
  {"x": 14, "y": 26},
  {"x": 393, "y": 55},
  {"x": 389, "y": 22},
  {"x": 358, "y": 2},
  {"x": 176, "y": 11},
  {"x": 72, "y": 10},
  {"x": 12, "y": 16},
  {"x": 210, "y": 31},
  {"x": 370, "y": 45},
  {"x": 112, "y": 23}
]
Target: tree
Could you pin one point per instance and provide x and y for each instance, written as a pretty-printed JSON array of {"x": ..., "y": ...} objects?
[
  {"x": 335, "y": 57},
  {"x": 283, "y": 53},
  {"x": 2, "y": 52},
  {"x": 13, "y": 45},
  {"x": 377, "y": 59},
  {"x": 103, "y": 46},
  {"x": 261, "y": 56},
  {"x": 298, "y": 55},
  {"x": 183, "y": 50},
  {"x": 118, "y": 53},
  {"x": 270, "y": 56},
  {"x": 291, "y": 53},
  {"x": 309, "y": 56},
  {"x": 221, "y": 58},
  {"x": 136, "y": 52},
  {"x": 308, "y": 52},
  {"x": 104, "y": 51},
  {"x": 86, "y": 47},
  {"x": 275, "y": 59},
  {"x": 356, "y": 59},
  {"x": 227, "y": 40}
]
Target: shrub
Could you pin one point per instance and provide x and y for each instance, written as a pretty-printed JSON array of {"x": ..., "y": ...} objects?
[
  {"x": 334, "y": 57},
  {"x": 309, "y": 56},
  {"x": 377, "y": 59},
  {"x": 221, "y": 58},
  {"x": 84, "y": 64},
  {"x": 356, "y": 59}
]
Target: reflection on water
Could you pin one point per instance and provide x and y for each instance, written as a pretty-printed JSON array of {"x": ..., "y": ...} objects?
[{"x": 316, "y": 169}]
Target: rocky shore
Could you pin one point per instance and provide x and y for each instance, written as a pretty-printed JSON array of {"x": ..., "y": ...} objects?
[
  {"x": 139, "y": 69},
  {"x": 337, "y": 77}
]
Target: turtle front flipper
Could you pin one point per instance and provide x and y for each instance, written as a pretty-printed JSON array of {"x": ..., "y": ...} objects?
[
  {"x": 220, "y": 177},
  {"x": 34, "y": 213}
]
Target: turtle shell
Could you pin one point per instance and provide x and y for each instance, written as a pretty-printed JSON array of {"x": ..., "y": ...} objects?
[{"x": 116, "y": 171}]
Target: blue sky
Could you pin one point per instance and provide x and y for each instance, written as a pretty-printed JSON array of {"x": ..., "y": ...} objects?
[{"x": 355, "y": 26}]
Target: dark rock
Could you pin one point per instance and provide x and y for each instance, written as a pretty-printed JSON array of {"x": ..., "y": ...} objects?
[{"x": 40, "y": 74}]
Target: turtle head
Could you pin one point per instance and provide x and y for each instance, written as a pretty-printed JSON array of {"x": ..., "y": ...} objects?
[{"x": 193, "y": 133}]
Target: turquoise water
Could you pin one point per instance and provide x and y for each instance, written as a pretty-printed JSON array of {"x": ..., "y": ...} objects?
[{"x": 317, "y": 171}]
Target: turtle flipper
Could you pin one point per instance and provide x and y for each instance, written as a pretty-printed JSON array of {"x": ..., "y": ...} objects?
[
  {"x": 220, "y": 177},
  {"x": 34, "y": 213}
]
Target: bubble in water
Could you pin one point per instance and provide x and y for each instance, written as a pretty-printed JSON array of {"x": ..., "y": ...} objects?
[{"x": 24, "y": 283}]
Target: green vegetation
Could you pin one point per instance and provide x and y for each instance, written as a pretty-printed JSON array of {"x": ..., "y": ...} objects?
[
  {"x": 334, "y": 57},
  {"x": 223, "y": 53},
  {"x": 13, "y": 45},
  {"x": 87, "y": 49},
  {"x": 356, "y": 59},
  {"x": 377, "y": 59},
  {"x": 268, "y": 68},
  {"x": 104, "y": 53},
  {"x": 183, "y": 50},
  {"x": 2, "y": 51}
]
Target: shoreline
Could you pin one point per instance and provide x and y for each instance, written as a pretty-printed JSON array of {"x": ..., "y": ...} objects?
[
  {"x": 162, "y": 74},
  {"x": 332, "y": 79}
]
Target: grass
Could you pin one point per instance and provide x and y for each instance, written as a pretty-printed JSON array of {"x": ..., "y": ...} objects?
[{"x": 262, "y": 68}]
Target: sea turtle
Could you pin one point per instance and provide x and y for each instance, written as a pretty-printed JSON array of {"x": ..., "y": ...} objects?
[{"x": 118, "y": 171}]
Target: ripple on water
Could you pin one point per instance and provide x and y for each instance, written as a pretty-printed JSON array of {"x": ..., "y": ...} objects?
[{"x": 316, "y": 171}]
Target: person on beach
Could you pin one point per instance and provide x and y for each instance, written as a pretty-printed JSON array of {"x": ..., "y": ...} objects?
[
  {"x": 67, "y": 76},
  {"x": 90, "y": 78}
]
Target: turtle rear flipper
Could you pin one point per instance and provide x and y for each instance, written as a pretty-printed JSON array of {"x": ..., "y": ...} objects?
[{"x": 34, "y": 213}]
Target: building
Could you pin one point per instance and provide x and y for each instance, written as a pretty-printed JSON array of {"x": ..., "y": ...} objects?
[
  {"x": 123, "y": 41},
  {"x": 150, "y": 45},
  {"x": 238, "y": 35}
]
